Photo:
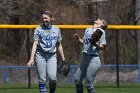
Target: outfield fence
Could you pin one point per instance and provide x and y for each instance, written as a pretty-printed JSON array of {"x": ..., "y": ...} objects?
[
  {"x": 18, "y": 75},
  {"x": 108, "y": 74}
]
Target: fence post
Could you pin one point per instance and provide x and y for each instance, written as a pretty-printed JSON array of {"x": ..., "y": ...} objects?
[
  {"x": 117, "y": 55},
  {"x": 4, "y": 75},
  {"x": 138, "y": 73},
  {"x": 28, "y": 53}
]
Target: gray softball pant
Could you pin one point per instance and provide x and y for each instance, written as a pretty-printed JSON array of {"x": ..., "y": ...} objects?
[
  {"x": 46, "y": 66},
  {"x": 87, "y": 69}
]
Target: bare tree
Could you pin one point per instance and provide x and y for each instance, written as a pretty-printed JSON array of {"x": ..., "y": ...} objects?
[
  {"x": 13, "y": 43},
  {"x": 137, "y": 14}
]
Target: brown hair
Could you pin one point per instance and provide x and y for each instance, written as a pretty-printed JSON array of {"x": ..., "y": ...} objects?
[
  {"x": 47, "y": 13},
  {"x": 105, "y": 24}
]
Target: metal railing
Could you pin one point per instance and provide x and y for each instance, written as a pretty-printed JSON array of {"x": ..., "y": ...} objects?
[{"x": 116, "y": 27}]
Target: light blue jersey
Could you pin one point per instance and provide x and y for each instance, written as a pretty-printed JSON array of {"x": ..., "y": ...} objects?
[
  {"x": 46, "y": 58},
  {"x": 90, "y": 62},
  {"x": 47, "y": 38},
  {"x": 87, "y": 47}
]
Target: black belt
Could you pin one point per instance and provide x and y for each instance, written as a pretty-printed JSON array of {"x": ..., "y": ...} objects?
[{"x": 94, "y": 55}]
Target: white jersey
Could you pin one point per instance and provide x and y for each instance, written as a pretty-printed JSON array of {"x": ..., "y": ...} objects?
[
  {"x": 87, "y": 47},
  {"x": 47, "y": 38}
]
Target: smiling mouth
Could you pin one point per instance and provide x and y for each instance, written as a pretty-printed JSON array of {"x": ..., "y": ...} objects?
[{"x": 45, "y": 22}]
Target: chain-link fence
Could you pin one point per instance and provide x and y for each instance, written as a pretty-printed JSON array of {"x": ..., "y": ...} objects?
[
  {"x": 17, "y": 76},
  {"x": 16, "y": 51}
]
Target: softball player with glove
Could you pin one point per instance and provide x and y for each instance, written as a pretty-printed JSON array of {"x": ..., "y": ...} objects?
[
  {"x": 90, "y": 62},
  {"x": 47, "y": 40}
]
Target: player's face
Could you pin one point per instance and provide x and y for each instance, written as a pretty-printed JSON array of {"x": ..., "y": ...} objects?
[
  {"x": 98, "y": 23},
  {"x": 46, "y": 19}
]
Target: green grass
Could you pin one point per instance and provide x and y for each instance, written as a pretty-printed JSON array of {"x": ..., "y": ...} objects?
[
  {"x": 72, "y": 90},
  {"x": 133, "y": 88}
]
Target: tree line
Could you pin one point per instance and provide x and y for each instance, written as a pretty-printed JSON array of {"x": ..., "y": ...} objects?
[{"x": 13, "y": 43}]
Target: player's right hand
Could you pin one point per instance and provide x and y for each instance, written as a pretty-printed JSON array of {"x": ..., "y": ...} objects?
[
  {"x": 76, "y": 36},
  {"x": 30, "y": 63}
]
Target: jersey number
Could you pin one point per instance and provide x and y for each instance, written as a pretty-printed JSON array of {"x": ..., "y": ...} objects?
[
  {"x": 48, "y": 44},
  {"x": 86, "y": 41}
]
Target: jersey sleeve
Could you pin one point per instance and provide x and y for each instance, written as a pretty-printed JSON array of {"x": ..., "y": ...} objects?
[
  {"x": 36, "y": 35},
  {"x": 59, "y": 36},
  {"x": 85, "y": 32}
]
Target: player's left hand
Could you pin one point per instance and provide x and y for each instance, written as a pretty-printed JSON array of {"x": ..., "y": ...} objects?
[{"x": 64, "y": 68}]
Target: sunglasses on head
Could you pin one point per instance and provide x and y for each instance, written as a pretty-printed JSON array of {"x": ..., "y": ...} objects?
[{"x": 46, "y": 13}]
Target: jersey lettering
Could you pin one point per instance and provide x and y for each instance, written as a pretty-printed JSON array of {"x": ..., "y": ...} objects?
[{"x": 48, "y": 39}]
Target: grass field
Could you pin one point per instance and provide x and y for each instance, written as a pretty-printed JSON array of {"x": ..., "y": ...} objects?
[{"x": 71, "y": 89}]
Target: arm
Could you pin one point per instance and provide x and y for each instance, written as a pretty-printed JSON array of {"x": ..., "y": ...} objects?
[
  {"x": 77, "y": 37},
  {"x": 60, "y": 49},
  {"x": 34, "y": 47},
  {"x": 100, "y": 46}
]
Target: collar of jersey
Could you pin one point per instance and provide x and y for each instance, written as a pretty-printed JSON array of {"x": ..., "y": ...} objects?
[
  {"x": 49, "y": 27},
  {"x": 46, "y": 27}
]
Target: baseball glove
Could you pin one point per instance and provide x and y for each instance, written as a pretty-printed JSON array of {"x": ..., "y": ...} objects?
[
  {"x": 96, "y": 36},
  {"x": 64, "y": 68}
]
